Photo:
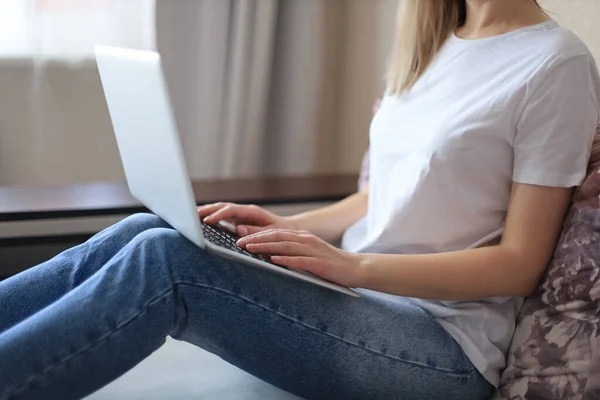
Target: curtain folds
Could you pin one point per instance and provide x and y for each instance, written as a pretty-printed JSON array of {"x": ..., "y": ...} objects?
[
  {"x": 259, "y": 87},
  {"x": 264, "y": 87}
]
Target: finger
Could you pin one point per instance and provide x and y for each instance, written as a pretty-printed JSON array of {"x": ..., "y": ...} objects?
[
  {"x": 228, "y": 225},
  {"x": 281, "y": 248},
  {"x": 311, "y": 264},
  {"x": 208, "y": 209},
  {"x": 244, "y": 214},
  {"x": 271, "y": 230},
  {"x": 273, "y": 235},
  {"x": 245, "y": 230}
]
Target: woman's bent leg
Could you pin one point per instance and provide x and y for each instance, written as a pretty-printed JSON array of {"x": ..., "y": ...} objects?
[
  {"x": 312, "y": 342},
  {"x": 25, "y": 294}
]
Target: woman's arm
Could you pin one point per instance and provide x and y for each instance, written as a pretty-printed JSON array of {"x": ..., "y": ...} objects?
[
  {"x": 512, "y": 268},
  {"x": 330, "y": 223}
]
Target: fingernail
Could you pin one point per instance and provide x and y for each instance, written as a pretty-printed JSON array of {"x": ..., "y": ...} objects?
[{"x": 243, "y": 230}]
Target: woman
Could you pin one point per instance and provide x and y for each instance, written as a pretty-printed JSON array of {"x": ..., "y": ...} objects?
[{"x": 484, "y": 130}]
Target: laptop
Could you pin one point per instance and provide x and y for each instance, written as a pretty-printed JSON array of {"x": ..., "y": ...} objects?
[{"x": 153, "y": 159}]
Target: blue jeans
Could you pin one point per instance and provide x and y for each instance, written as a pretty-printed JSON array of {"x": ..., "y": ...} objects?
[{"x": 77, "y": 322}]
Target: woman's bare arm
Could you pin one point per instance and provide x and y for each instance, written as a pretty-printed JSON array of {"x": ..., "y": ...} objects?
[
  {"x": 510, "y": 269},
  {"x": 513, "y": 268},
  {"x": 329, "y": 223}
]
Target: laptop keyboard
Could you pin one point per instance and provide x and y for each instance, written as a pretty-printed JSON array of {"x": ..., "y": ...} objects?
[{"x": 222, "y": 238}]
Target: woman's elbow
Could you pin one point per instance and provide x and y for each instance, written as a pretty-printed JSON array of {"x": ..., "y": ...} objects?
[
  {"x": 530, "y": 280},
  {"x": 526, "y": 289}
]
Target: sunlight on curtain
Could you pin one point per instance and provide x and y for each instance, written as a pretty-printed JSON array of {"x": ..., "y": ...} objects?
[
  {"x": 70, "y": 28},
  {"x": 54, "y": 122}
]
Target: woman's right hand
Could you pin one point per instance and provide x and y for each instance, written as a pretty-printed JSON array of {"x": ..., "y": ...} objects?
[{"x": 248, "y": 219}]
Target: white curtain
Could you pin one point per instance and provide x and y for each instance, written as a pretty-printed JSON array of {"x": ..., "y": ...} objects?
[
  {"x": 258, "y": 86},
  {"x": 69, "y": 29},
  {"x": 54, "y": 125},
  {"x": 218, "y": 57},
  {"x": 273, "y": 86}
]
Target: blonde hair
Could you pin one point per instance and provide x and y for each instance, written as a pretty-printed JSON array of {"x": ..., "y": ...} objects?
[{"x": 422, "y": 29}]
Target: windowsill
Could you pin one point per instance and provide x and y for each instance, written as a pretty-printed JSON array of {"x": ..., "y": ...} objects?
[
  {"x": 22, "y": 231},
  {"x": 27, "y": 203},
  {"x": 36, "y": 223},
  {"x": 24, "y": 60}
]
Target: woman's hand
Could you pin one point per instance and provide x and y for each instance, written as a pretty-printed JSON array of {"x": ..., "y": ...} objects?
[
  {"x": 248, "y": 219},
  {"x": 304, "y": 251}
]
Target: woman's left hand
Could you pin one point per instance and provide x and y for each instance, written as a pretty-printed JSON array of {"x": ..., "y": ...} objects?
[{"x": 304, "y": 251}]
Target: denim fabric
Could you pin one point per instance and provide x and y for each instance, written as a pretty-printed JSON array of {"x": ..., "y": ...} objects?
[{"x": 77, "y": 322}]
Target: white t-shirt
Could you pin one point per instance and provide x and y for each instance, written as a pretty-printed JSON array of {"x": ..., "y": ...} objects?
[{"x": 519, "y": 107}]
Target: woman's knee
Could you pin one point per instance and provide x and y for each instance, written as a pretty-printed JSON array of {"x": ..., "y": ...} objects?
[
  {"x": 142, "y": 222},
  {"x": 167, "y": 248},
  {"x": 166, "y": 242}
]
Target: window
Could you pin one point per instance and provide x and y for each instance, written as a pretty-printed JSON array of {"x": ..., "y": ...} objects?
[{"x": 71, "y": 28}]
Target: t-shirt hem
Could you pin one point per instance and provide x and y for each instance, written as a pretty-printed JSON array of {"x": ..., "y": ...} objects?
[
  {"x": 554, "y": 180},
  {"x": 474, "y": 353}
]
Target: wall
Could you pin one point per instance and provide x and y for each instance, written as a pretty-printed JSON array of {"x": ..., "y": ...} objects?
[{"x": 581, "y": 16}]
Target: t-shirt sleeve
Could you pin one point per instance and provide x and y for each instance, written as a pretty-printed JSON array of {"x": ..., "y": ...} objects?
[
  {"x": 363, "y": 179},
  {"x": 556, "y": 129}
]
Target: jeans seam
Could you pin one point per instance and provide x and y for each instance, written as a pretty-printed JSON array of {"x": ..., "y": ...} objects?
[
  {"x": 350, "y": 343},
  {"x": 25, "y": 385}
]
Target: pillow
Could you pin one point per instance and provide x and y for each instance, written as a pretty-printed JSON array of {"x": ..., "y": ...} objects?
[
  {"x": 592, "y": 388},
  {"x": 555, "y": 351}
]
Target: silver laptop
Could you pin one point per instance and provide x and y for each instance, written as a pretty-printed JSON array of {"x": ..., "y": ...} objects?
[{"x": 153, "y": 159}]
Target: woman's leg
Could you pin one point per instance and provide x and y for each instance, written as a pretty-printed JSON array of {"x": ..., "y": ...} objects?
[
  {"x": 310, "y": 341},
  {"x": 25, "y": 294}
]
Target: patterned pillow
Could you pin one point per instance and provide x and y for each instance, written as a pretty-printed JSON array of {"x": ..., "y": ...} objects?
[
  {"x": 592, "y": 388},
  {"x": 555, "y": 352}
]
